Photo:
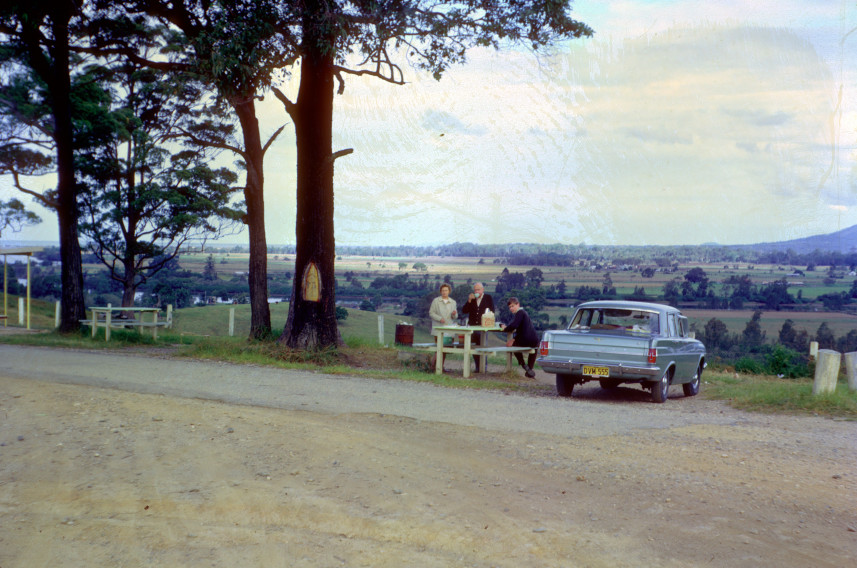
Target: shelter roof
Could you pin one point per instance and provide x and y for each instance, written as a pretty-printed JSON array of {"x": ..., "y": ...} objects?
[{"x": 21, "y": 250}]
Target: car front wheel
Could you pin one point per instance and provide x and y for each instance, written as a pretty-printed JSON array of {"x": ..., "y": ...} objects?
[
  {"x": 661, "y": 388},
  {"x": 692, "y": 388}
]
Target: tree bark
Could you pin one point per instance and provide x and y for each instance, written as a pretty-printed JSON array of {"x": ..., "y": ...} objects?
[
  {"x": 129, "y": 277},
  {"x": 71, "y": 273},
  {"x": 260, "y": 312},
  {"x": 312, "y": 324}
]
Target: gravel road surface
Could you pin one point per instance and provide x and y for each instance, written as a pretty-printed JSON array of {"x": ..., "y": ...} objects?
[{"x": 113, "y": 459}]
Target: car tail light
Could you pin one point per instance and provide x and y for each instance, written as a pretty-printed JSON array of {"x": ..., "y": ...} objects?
[
  {"x": 543, "y": 348},
  {"x": 653, "y": 356}
]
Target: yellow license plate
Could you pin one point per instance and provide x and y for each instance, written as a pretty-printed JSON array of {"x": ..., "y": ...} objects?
[{"x": 593, "y": 371}]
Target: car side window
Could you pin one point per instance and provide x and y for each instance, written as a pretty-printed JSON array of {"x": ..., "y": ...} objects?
[
  {"x": 672, "y": 325},
  {"x": 682, "y": 327}
]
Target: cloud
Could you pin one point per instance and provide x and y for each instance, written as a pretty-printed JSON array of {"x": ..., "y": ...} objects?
[
  {"x": 759, "y": 117},
  {"x": 660, "y": 136},
  {"x": 444, "y": 122}
]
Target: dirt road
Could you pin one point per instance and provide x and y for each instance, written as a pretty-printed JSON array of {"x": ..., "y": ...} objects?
[{"x": 116, "y": 460}]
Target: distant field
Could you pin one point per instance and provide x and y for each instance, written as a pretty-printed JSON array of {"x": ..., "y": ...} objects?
[
  {"x": 809, "y": 285},
  {"x": 367, "y": 268},
  {"x": 772, "y": 321}
]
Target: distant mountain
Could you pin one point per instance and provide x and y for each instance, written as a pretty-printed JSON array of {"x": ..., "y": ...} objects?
[{"x": 844, "y": 241}]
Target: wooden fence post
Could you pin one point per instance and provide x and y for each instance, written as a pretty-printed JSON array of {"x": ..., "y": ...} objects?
[
  {"x": 851, "y": 370},
  {"x": 813, "y": 349},
  {"x": 231, "y": 322},
  {"x": 381, "y": 329},
  {"x": 826, "y": 371},
  {"x": 21, "y": 311},
  {"x": 57, "y": 315}
]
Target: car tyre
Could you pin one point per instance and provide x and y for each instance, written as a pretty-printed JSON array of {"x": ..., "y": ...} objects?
[
  {"x": 692, "y": 388},
  {"x": 661, "y": 388},
  {"x": 564, "y": 385}
]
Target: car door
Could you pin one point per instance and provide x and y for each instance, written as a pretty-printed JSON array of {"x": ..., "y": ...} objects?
[{"x": 686, "y": 355}]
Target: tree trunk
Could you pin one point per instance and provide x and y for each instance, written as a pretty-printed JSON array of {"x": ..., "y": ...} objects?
[
  {"x": 311, "y": 322},
  {"x": 71, "y": 273},
  {"x": 129, "y": 287},
  {"x": 260, "y": 313}
]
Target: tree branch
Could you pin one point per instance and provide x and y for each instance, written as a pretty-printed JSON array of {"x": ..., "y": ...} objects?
[
  {"x": 338, "y": 154},
  {"x": 207, "y": 143},
  {"x": 131, "y": 54},
  {"x": 47, "y": 202},
  {"x": 291, "y": 108},
  {"x": 271, "y": 139}
]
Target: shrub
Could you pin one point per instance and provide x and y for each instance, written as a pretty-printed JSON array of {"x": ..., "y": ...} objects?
[
  {"x": 782, "y": 361},
  {"x": 749, "y": 365}
]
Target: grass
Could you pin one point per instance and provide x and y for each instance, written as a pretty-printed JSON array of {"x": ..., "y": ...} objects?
[
  {"x": 213, "y": 321},
  {"x": 758, "y": 393}
]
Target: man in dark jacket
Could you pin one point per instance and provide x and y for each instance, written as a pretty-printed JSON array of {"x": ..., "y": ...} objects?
[
  {"x": 525, "y": 335},
  {"x": 477, "y": 304}
]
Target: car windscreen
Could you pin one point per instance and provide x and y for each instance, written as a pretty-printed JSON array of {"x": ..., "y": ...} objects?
[{"x": 620, "y": 319}]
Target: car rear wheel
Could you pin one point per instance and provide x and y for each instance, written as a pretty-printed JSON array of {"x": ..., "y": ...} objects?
[
  {"x": 692, "y": 388},
  {"x": 564, "y": 385},
  {"x": 661, "y": 388}
]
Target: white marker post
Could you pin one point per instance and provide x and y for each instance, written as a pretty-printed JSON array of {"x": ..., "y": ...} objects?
[{"x": 826, "y": 371}]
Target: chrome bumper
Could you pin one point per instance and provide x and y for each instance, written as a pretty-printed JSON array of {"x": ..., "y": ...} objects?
[{"x": 617, "y": 370}]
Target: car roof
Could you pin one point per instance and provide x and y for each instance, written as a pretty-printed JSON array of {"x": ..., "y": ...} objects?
[{"x": 628, "y": 305}]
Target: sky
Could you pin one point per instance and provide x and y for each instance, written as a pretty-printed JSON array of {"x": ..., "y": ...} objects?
[{"x": 679, "y": 122}]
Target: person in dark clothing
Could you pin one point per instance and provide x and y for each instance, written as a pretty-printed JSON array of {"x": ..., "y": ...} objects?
[
  {"x": 477, "y": 304},
  {"x": 525, "y": 335}
]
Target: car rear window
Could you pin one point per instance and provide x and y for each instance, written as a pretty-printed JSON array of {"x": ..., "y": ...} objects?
[{"x": 616, "y": 319}]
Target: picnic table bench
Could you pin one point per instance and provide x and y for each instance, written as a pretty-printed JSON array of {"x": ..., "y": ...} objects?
[
  {"x": 466, "y": 349},
  {"x": 103, "y": 317},
  {"x": 509, "y": 351}
]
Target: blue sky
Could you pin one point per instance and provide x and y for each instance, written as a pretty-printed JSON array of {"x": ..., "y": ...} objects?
[{"x": 679, "y": 122}]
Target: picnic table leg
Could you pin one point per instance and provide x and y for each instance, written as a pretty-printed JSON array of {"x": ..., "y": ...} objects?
[
  {"x": 94, "y": 323},
  {"x": 154, "y": 327},
  {"x": 483, "y": 360},
  {"x": 509, "y": 362},
  {"x": 438, "y": 359},
  {"x": 466, "y": 363},
  {"x": 107, "y": 320}
]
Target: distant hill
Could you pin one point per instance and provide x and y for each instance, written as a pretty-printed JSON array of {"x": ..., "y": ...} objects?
[{"x": 844, "y": 241}]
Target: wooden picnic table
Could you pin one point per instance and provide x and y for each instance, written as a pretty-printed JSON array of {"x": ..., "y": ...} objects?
[
  {"x": 108, "y": 320},
  {"x": 466, "y": 348}
]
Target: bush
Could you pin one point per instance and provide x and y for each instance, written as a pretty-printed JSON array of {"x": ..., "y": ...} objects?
[
  {"x": 341, "y": 313},
  {"x": 749, "y": 365},
  {"x": 782, "y": 361}
]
